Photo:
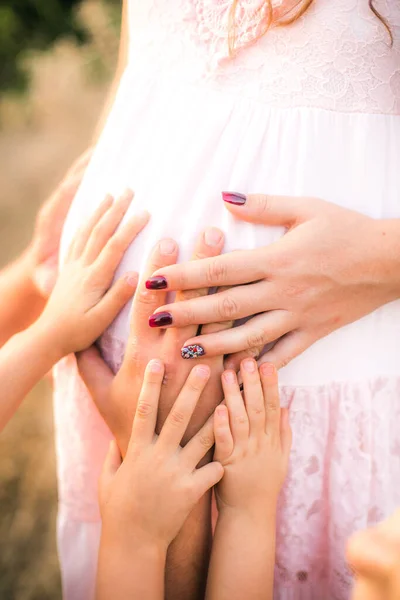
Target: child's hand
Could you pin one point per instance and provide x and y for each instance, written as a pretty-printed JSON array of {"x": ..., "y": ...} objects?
[
  {"x": 45, "y": 244},
  {"x": 253, "y": 439},
  {"x": 374, "y": 555},
  {"x": 151, "y": 494},
  {"x": 83, "y": 304}
]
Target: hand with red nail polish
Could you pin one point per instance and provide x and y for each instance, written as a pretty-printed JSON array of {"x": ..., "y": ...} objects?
[
  {"x": 151, "y": 338},
  {"x": 331, "y": 267},
  {"x": 146, "y": 499},
  {"x": 252, "y": 442}
]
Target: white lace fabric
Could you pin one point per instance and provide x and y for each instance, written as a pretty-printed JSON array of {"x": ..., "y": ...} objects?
[{"x": 337, "y": 56}]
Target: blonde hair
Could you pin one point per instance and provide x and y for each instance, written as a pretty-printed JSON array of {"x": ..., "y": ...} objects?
[{"x": 280, "y": 17}]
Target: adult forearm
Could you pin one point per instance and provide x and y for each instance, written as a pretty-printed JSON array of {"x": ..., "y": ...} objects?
[
  {"x": 188, "y": 555},
  {"x": 21, "y": 302},
  {"x": 243, "y": 557}
]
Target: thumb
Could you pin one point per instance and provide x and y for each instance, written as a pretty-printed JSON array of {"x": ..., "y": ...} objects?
[
  {"x": 111, "y": 465},
  {"x": 208, "y": 476},
  {"x": 96, "y": 375},
  {"x": 286, "y": 211}
]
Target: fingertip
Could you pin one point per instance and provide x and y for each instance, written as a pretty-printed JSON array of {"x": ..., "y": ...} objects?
[
  {"x": 127, "y": 194},
  {"x": 202, "y": 371},
  {"x": 213, "y": 237},
  {"x": 132, "y": 279},
  {"x": 155, "y": 366},
  {"x": 167, "y": 247},
  {"x": 249, "y": 365},
  {"x": 268, "y": 370}
]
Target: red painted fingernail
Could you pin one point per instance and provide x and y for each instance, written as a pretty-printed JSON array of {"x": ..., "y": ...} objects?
[
  {"x": 156, "y": 283},
  {"x": 161, "y": 319},
  {"x": 234, "y": 198},
  {"x": 192, "y": 351}
]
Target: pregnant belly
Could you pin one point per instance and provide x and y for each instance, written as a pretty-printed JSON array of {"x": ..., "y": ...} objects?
[{"x": 179, "y": 150}]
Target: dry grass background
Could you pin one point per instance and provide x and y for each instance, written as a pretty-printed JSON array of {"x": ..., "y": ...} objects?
[{"x": 40, "y": 135}]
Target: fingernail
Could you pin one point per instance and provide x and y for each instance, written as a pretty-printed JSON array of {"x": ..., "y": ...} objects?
[
  {"x": 202, "y": 371},
  {"x": 212, "y": 236},
  {"x": 155, "y": 366},
  {"x": 234, "y": 198},
  {"x": 268, "y": 369},
  {"x": 249, "y": 366},
  {"x": 229, "y": 377},
  {"x": 156, "y": 283},
  {"x": 192, "y": 351},
  {"x": 167, "y": 247},
  {"x": 132, "y": 279},
  {"x": 161, "y": 319}
]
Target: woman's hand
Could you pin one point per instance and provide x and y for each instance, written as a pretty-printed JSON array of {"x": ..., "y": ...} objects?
[
  {"x": 83, "y": 302},
  {"x": 45, "y": 244},
  {"x": 374, "y": 556},
  {"x": 110, "y": 392},
  {"x": 332, "y": 267}
]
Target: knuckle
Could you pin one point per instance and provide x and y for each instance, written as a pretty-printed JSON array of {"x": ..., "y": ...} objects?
[
  {"x": 177, "y": 417},
  {"x": 240, "y": 420},
  {"x": 271, "y": 407},
  {"x": 146, "y": 297},
  {"x": 133, "y": 350},
  {"x": 116, "y": 245},
  {"x": 256, "y": 340},
  {"x": 188, "y": 316},
  {"x": 257, "y": 410},
  {"x": 261, "y": 203},
  {"x": 227, "y": 308},
  {"x": 144, "y": 409},
  {"x": 205, "y": 441},
  {"x": 216, "y": 272},
  {"x": 295, "y": 290},
  {"x": 191, "y": 294}
]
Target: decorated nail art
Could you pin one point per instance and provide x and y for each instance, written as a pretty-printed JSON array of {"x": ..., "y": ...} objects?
[
  {"x": 156, "y": 283},
  {"x": 234, "y": 198},
  {"x": 192, "y": 351},
  {"x": 161, "y": 319}
]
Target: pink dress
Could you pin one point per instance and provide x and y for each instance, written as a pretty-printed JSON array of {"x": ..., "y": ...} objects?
[{"x": 311, "y": 110}]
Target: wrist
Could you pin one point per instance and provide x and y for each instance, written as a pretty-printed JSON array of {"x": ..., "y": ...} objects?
[
  {"x": 256, "y": 513},
  {"x": 132, "y": 540},
  {"x": 47, "y": 340}
]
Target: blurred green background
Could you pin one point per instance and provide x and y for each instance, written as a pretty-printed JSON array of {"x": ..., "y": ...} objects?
[{"x": 56, "y": 61}]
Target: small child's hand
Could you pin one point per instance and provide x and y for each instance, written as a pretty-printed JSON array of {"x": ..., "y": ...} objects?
[
  {"x": 252, "y": 438},
  {"x": 83, "y": 304},
  {"x": 148, "y": 497}
]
